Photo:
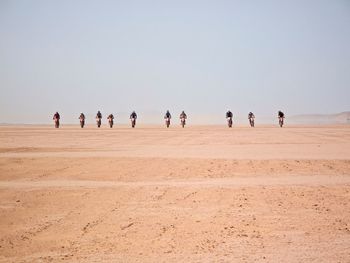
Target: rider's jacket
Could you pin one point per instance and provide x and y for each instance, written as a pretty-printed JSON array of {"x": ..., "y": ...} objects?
[
  {"x": 183, "y": 115},
  {"x": 229, "y": 114}
]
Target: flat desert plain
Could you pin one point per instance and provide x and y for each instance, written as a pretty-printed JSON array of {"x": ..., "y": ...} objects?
[{"x": 198, "y": 194}]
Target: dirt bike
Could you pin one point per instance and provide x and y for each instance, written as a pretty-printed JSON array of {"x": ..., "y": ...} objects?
[
  {"x": 229, "y": 122},
  {"x": 57, "y": 122},
  {"x": 110, "y": 121},
  {"x": 82, "y": 122},
  {"x": 251, "y": 121},
  {"x": 167, "y": 122},
  {"x": 98, "y": 121},
  {"x": 183, "y": 122},
  {"x": 133, "y": 122},
  {"x": 281, "y": 121}
]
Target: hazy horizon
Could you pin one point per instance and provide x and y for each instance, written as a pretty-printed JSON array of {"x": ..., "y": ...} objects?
[
  {"x": 156, "y": 118},
  {"x": 203, "y": 57}
]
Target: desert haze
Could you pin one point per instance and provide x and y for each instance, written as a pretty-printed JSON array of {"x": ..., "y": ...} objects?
[{"x": 198, "y": 194}]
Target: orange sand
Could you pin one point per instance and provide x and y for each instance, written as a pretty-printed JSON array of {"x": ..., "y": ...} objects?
[{"x": 151, "y": 194}]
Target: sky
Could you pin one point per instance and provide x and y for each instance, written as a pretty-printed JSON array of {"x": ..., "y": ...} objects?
[{"x": 204, "y": 57}]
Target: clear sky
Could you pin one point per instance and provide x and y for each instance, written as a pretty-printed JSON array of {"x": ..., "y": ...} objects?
[{"x": 201, "y": 56}]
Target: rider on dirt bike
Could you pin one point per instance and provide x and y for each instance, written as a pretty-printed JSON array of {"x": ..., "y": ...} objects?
[
  {"x": 56, "y": 118},
  {"x": 82, "y": 120},
  {"x": 110, "y": 119},
  {"x": 229, "y": 117},
  {"x": 167, "y": 118},
  {"x": 251, "y": 118},
  {"x": 133, "y": 117},
  {"x": 183, "y": 118},
  {"x": 98, "y": 119},
  {"x": 281, "y": 118}
]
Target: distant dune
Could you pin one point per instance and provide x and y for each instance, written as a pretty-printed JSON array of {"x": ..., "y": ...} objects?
[{"x": 338, "y": 118}]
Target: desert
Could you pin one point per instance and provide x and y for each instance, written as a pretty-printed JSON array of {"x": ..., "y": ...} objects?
[{"x": 198, "y": 194}]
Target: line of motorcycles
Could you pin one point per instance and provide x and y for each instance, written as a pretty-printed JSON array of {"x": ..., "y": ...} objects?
[
  {"x": 252, "y": 123},
  {"x": 167, "y": 122},
  {"x": 111, "y": 122},
  {"x": 230, "y": 121},
  {"x": 98, "y": 122}
]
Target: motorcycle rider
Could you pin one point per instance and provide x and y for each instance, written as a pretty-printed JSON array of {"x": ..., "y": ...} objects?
[
  {"x": 183, "y": 118},
  {"x": 133, "y": 117},
  {"x": 281, "y": 118},
  {"x": 56, "y": 118},
  {"x": 251, "y": 118},
  {"x": 167, "y": 115},
  {"x": 229, "y": 117},
  {"x": 98, "y": 119},
  {"x": 167, "y": 118},
  {"x": 82, "y": 120},
  {"x": 110, "y": 119}
]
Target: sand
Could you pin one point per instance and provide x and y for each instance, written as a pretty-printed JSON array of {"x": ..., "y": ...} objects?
[{"x": 151, "y": 194}]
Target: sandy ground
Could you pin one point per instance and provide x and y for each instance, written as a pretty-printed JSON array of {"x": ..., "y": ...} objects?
[{"x": 151, "y": 194}]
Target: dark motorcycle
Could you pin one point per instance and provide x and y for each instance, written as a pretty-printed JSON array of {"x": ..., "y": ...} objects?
[
  {"x": 57, "y": 122},
  {"x": 82, "y": 122},
  {"x": 98, "y": 121},
  {"x": 133, "y": 122},
  {"x": 229, "y": 122},
  {"x": 167, "y": 122},
  {"x": 251, "y": 121},
  {"x": 111, "y": 122},
  {"x": 183, "y": 122},
  {"x": 281, "y": 121}
]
